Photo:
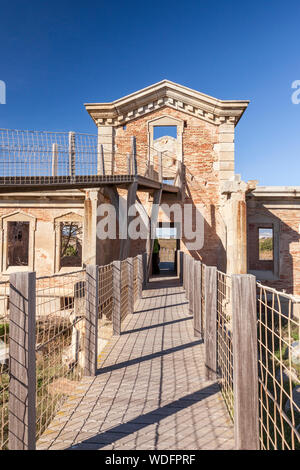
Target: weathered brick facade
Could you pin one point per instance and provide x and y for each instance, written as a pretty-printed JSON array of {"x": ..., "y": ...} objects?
[
  {"x": 200, "y": 161},
  {"x": 279, "y": 209}
]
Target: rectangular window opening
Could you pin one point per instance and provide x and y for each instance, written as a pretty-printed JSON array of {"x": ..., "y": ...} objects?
[
  {"x": 71, "y": 244},
  {"x": 164, "y": 131},
  {"x": 266, "y": 244},
  {"x": 17, "y": 243}
]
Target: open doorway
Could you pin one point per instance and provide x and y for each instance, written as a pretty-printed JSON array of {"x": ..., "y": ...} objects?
[{"x": 167, "y": 235}]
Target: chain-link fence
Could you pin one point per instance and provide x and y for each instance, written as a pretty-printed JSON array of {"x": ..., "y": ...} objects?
[
  {"x": 4, "y": 363},
  {"x": 56, "y": 158}
]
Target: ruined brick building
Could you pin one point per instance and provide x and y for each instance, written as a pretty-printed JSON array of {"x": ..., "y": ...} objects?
[{"x": 199, "y": 170}]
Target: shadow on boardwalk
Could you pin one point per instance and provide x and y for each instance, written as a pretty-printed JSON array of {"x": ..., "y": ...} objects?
[{"x": 150, "y": 391}]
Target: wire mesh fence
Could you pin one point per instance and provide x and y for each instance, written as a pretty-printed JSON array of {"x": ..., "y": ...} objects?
[
  {"x": 279, "y": 369},
  {"x": 124, "y": 289},
  {"x": 60, "y": 329},
  {"x": 136, "y": 291},
  {"x": 61, "y": 342},
  {"x": 105, "y": 300},
  {"x": 4, "y": 363},
  {"x": 34, "y": 154},
  {"x": 39, "y": 157},
  {"x": 150, "y": 163},
  {"x": 224, "y": 339}
]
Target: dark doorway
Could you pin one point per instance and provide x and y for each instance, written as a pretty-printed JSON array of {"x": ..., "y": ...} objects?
[{"x": 167, "y": 235}]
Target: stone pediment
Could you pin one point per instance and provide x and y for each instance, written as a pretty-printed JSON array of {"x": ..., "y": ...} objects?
[{"x": 162, "y": 94}]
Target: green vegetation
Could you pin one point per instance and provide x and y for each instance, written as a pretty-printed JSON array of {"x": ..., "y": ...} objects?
[
  {"x": 70, "y": 251},
  {"x": 266, "y": 244},
  {"x": 266, "y": 249}
]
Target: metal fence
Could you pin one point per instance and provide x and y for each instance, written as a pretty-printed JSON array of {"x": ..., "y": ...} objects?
[
  {"x": 33, "y": 154},
  {"x": 4, "y": 363},
  {"x": 279, "y": 369},
  {"x": 40, "y": 157},
  {"x": 224, "y": 339}
]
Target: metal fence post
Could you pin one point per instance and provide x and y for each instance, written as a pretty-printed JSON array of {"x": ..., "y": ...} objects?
[
  {"x": 91, "y": 320},
  {"x": 116, "y": 315},
  {"x": 22, "y": 384},
  {"x": 245, "y": 365},
  {"x": 197, "y": 300},
  {"x": 140, "y": 275},
  {"x": 210, "y": 334},
  {"x": 130, "y": 285},
  {"x": 72, "y": 154}
]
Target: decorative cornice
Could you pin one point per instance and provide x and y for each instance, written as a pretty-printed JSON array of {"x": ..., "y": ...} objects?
[
  {"x": 282, "y": 192},
  {"x": 173, "y": 95}
]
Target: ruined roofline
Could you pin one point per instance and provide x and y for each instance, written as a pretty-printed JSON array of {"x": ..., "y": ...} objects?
[
  {"x": 276, "y": 191},
  {"x": 167, "y": 93}
]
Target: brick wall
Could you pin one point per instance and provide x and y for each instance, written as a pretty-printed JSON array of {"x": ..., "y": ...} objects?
[
  {"x": 287, "y": 222},
  {"x": 202, "y": 180}
]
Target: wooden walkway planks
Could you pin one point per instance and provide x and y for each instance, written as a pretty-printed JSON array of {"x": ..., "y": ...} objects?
[{"x": 150, "y": 392}]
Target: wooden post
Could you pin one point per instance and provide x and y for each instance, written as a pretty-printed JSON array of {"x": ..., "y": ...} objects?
[
  {"x": 131, "y": 200},
  {"x": 22, "y": 384},
  {"x": 54, "y": 159},
  {"x": 72, "y": 154},
  {"x": 116, "y": 315},
  {"x": 134, "y": 159},
  {"x": 197, "y": 300},
  {"x": 91, "y": 320},
  {"x": 191, "y": 285},
  {"x": 211, "y": 322},
  {"x": 183, "y": 271},
  {"x": 140, "y": 275},
  {"x": 188, "y": 259},
  {"x": 245, "y": 368},
  {"x": 130, "y": 285},
  {"x": 79, "y": 312}
]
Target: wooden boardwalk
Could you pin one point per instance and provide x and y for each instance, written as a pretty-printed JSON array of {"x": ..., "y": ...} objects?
[{"x": 150, "y": 392}]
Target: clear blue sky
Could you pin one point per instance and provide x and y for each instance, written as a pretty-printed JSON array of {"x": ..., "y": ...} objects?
[{"x": 56, "y": 55}]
